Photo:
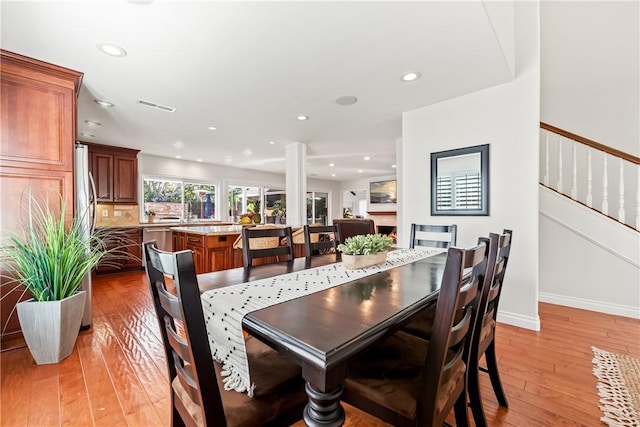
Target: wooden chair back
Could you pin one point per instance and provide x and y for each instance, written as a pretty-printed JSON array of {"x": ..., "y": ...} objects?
[
  {"x": 187, "y": 349},
  {"x": 319, "y": 239},
  {"x": 450, "y": 337},
  {"x": 483, "y": 342},
  {"x": 416, "y": 239},
  {"x": 490, "y": 295},
  {"x": 349, "y": 227},
  {"x": 250, "y": 252}
]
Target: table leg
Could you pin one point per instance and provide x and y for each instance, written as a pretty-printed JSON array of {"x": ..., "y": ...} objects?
[{"x": 323, "y": 409}]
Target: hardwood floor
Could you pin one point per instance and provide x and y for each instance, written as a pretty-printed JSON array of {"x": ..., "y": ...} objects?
[{"x": 116, "y": 375}]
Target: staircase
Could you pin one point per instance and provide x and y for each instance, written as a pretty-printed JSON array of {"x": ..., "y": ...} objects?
[{"x": 589, "y": 221}]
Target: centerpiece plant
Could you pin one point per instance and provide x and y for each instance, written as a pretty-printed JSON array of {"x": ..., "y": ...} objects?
[
  {"x": 364, "y": 250},
  {"x": 49, "y": 257}
]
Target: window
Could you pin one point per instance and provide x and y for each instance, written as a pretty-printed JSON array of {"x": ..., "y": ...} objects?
[
  {"x": 317, "y": 208},
  {"x": 244, "y": 200},
  {"x": 176, "y": 200}
]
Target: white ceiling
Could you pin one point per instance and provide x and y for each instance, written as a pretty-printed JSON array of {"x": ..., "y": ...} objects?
[{"x": 250, "y": 68}]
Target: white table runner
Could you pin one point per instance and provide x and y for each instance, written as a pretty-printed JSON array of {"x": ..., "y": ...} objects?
[{"x": 225, "y": 307}]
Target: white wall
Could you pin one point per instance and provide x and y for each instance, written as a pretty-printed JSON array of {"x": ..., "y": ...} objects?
[
  {"x": 589, "y": 261},
  {"x": 591, "y": 70},
  {"x": 507, "y": 118},
  {"x": 223, "y": 176}
]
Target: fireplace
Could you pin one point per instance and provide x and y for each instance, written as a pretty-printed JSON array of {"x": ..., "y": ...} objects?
[
  {"x": 389, "y": 230},
  {"x": 386, "y": 223}
]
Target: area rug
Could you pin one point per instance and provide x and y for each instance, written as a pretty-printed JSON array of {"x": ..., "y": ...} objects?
[{"x": 618, "y": 387}]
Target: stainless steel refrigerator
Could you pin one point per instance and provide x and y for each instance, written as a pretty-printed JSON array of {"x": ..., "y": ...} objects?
[{"x": 85, "y": 210}]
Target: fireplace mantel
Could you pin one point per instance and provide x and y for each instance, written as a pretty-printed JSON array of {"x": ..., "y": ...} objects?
[
  {"x": 382, "y": 213},
  {"x": 384, "y": 218}
]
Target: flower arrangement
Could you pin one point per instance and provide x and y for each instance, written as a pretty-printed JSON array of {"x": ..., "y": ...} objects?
[
  {"x": 150, "y": 213},
  {"x": 369, "y": 244}
]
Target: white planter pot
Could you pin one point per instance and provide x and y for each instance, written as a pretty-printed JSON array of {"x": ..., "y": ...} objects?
[
  {"x": 51, "y": 328},
  {"x": 354, "y": 262}
]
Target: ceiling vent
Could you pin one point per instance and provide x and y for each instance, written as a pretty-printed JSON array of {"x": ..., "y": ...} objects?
[{"x": 156, "y": 106}]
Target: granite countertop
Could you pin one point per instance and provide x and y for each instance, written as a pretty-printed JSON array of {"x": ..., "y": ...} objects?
[
  {"x": 168, "y": 224},
  {"x": 209, "y": 230}
]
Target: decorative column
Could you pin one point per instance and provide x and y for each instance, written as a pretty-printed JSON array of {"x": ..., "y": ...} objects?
[{"x": 296, "y": 205}]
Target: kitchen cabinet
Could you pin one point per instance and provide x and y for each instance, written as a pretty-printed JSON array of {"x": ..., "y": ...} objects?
[
  {"x": 37, "y": 135},
  {"x": 115, "y": 172},
  {"x": 211, "y": 252},
  {"x": 129, "y": 244}
]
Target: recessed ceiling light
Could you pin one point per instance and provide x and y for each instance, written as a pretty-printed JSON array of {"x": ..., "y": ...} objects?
[
  {"x": 227, "y": 159},
  {"x": 87, "y": 134},
  {"x": 103, "y": 103},
  {"x": 92, "y": 123},
  {"x": 333, "y": 174},
  {"x": 178, "y": 157},
  {"x": 111, "y": 49},
  {"x": 302, "y": 118},
  {"x": 211, "y": 128},
  {"x": 410, "y": 76},
  {"x": 178, "y": 145},
  {"x": 199, "y": 160},
  {"x": 247, "y": 152},
  {"x": 272, "y": 142},
  {"x": 346, "y": 100},
  {"x": 360, "y": 171},
  {"x": 367, "y": 158},
  {"x": 394, "y": 166},
  {"x": 331, "y": 165}
]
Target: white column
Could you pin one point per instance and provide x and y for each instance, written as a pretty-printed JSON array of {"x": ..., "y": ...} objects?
[
  {"x": 621, "y": 214},
  {"x": 589, "y": 180},
  {"x": 574, "y": 186},
  {"x": 296, "y": 180},
  {"x": 605, "y": 186}
]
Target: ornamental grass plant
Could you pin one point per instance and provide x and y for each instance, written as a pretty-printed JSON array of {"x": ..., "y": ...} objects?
[
  {"x": 50, "y": 257},
  {"x": 369, "y": 244}
]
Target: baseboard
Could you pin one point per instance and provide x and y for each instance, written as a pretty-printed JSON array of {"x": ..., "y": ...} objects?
[
  {"x": 591, "y": 305},
  {"x": 519, "y": 320}
]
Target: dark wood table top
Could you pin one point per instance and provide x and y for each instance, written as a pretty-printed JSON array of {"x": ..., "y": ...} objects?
[{"x": 328, "y": 327}]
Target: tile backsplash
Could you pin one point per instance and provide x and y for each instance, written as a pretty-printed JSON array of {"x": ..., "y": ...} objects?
[{"x": 113, "y": 215}]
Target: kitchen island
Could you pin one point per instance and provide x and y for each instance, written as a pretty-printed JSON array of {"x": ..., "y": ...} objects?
[{"x": 212, "y": 245}]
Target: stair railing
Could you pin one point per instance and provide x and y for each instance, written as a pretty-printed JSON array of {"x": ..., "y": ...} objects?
[{"x": 600, "y": 177}]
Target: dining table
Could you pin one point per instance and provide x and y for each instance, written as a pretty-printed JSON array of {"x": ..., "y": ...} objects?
[{"x": 323, "y": 330}]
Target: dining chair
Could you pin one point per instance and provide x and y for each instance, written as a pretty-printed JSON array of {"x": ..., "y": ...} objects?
[
  {"x": 349, "y": 227},
  {"x": 319, "y": 239},
  {"x": 437, "y": 236},
  {"x": 483, "y": 342},
  {"x": 433, "y": 236},
  {"x": 198, "y": 397},
  {"x": 259, "y": 242},
  {"x": 407, "y": 381}
]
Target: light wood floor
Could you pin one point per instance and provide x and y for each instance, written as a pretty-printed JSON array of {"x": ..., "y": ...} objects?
[{"x": 117, "y": 374}]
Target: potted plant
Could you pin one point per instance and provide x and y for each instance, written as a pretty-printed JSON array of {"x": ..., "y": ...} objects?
[
  {"x": 364, "y": 250},
  {"x": 279, "y": 211},
  {"x": 151, "y": 216},
  {"x": 50, "y": 258}
]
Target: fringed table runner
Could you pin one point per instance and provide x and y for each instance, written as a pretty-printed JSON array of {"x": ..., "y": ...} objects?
[{"x": 224, "y": 308}]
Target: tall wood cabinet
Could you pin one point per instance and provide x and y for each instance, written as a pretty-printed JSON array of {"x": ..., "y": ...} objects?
[
  {"x": 37, "y": 135},
  {"x": 115, "y": 172}
]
